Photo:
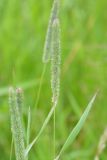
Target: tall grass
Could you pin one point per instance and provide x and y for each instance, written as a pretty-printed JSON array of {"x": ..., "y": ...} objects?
[{"x": 52, "y": 53}]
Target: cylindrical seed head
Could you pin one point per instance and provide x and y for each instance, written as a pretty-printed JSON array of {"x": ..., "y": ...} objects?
[
  {"x": 55, "y": 60},
  {"x": 48, "y": 40}
]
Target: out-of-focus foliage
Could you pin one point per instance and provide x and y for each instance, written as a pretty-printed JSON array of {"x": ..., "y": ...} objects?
[{"x": 23, "y": 25}]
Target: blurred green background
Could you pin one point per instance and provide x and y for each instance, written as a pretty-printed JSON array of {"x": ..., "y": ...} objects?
[{"x": 23, "y": 25}]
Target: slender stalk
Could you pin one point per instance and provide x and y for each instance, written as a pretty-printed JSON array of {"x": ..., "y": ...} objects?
[
  {"x": 41, "y": 130},
  {"x": 11, "y": 149},
  {"x": 54, "y": 129},
  {"x": 37, "y": 97}
]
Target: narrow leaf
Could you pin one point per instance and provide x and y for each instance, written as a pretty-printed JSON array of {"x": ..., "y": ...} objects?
[
  {"x": 41, "y": 130},
  {"x": 77, "y": 128}
]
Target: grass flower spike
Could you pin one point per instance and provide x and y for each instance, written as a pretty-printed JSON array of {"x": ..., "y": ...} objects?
[
  {"x": 102, "y": 145},
  {"x": 48, "y": 40},
  {"x": 19, "y": 99},
  {"x": 16, "y": 125},
  {"x": 55, "y": 61}
]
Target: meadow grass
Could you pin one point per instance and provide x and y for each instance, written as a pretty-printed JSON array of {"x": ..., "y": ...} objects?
[
  {"x": 85, "y": 72},
  {"x": 52, "y": 47}
]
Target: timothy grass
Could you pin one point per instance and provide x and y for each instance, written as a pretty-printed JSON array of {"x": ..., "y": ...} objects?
[
  {"x": 16, "y": 124},
  {"x": 83, "y": 72}
]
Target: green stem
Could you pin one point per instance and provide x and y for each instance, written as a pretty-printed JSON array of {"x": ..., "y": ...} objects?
[{"x": 40, "y": 87}]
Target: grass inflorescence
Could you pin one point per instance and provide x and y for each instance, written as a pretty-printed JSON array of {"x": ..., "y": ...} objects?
[
  {"x": 52, "y": 54},
  {"x": 16, "y": 123},
  {"x": 48, "y": 40}
]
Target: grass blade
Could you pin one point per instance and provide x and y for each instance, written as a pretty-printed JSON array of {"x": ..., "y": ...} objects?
[
  {"x": 41, "y": 130},
  {"x": 77, "y": 128}
]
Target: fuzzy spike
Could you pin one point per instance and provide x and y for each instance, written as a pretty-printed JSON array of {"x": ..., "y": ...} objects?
[
  {"x": 55, "y": 61},
  {"x": 102, "y": 144},
  {"x": 16, "y": 126},
  {"x": 19, "y": 98},
  {"x": 48, "y": 40}
]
